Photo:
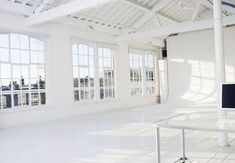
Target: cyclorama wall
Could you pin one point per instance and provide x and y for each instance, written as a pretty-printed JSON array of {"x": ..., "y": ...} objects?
[
  {"x": 60, "y": 76},
  {"x": 192, "y": 69}
]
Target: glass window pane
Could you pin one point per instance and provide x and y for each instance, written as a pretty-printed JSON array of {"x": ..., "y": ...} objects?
[
  {"x": 15, "y": 56},
  {"x": 41, "y": 71},
  {"x": 25, "y": 99},
  {"x": 16, "y": 83},
  {"x": 75, "y": 72},
  {"x": 75, "y": 60},
  {"x": 24, "y": 71},
  {"x": 34, "y": 44},
  {"x": 24, "y": 42},
  {"x": 24, "y": 54},
  {"x": 34, "y": 57},
  {"x": 17, "y": 99},
  {"x": 15, "y": 41},
  {"x": 6, "y": 101},
  {"x": 34, "y": 83},
  {"x": 24, "y": 84},
  {"x": 83, "y": 49},
  {"x": 4, "y": 55},
  {"x": 6, "y": 85},
  {"x": 76, "y": 95},
  {"x": 43, "y": 98},
  {"x": 40, "y": 45},
  {"x": 40, "y": 57},
  {"x": 33, "y": 71},
  {"x": 16, "y": 71},
  {"x": 4, "y": 41},
  {"x": 34, "y": 99},
  {"x": 5, "y": 71}
]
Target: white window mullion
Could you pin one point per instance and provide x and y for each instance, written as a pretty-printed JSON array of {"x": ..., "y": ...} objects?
[
  {"x": 96, "y": 74},
  {"x": 144, "y": 83}
]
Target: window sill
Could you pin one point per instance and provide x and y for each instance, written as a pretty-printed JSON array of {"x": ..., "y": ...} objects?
[
  {"x": 94, "y": 102},
  {"x": 24, "y": 109}
]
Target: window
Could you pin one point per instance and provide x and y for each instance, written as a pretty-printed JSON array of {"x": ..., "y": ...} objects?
[
  {"x": 106, "y": 72},
  {"x": 83, "y": 72},
  {"x": 142, "y": 72},
  {"x": 136, "y": 74},
  {"x": 150, "y": 74},
  {"x": 22, "y": 74},
  {"x": 91, "y": 85}
]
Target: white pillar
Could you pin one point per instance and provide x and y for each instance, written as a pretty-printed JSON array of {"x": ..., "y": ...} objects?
[{"x": 219, "y": 62}]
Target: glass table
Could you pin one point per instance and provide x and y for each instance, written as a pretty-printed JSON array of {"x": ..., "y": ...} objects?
[{"x": 205, "y": 121}]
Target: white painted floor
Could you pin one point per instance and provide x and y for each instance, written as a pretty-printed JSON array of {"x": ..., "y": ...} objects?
[{"x": 125, "y": 136}]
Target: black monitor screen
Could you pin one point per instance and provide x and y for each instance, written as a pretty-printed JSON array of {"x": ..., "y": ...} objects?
[{"x": 228, "y": 96}]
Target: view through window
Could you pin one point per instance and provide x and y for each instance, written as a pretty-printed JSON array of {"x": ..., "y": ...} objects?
[{"x": 22, "y": 74}]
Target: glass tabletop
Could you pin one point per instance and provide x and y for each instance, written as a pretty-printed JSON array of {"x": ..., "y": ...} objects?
[{"x": 207, "y": 121}]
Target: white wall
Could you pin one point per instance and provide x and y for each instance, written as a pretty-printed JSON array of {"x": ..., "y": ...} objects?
[
  {"x": 59, "y": 73},
  {"x": 192, "y": 69}
]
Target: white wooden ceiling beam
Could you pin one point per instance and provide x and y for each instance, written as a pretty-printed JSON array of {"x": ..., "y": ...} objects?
[
  {"x": 151, "y": 13},
  {"x": 195, "y": 12},
  {"x": 43, "y": 5},
  {"x": 176, "y": 28},
  {"x": 16, "y": 8},
  {"x": 63, "y": 10}
]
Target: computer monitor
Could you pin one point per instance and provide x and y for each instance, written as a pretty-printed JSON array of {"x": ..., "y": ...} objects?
[{"x": 228, "y": 96}]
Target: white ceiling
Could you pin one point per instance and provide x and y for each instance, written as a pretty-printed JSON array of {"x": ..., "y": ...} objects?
[{"x": 123, "y": 16}]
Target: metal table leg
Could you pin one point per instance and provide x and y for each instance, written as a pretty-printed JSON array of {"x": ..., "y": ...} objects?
[
  {"x": 183, "y": 146},
  {"x": 158, "y": 152}
]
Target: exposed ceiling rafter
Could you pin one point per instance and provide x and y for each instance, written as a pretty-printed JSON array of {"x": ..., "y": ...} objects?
[
  {"x": 176, "y": 28},
  {"x": 43, "y": 6},
  {"x": 16, "y": 8},
  {"x": 195, "y": 12},
  {"x": 149, "y": 13},
  {"x": 63, "y": 10}
]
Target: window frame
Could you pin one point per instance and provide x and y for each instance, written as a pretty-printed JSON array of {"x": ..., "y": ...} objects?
[
  {"x": 144, "y": 83},
  {"x": 28, "y": 91},
  {"x": 95, "y": 45}
]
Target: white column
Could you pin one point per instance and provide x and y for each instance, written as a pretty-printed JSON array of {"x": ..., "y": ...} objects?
[{"x": 219, "y": 62}]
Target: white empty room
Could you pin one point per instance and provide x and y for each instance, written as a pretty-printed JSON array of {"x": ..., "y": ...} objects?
[{"x": 117, "y": 81}]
